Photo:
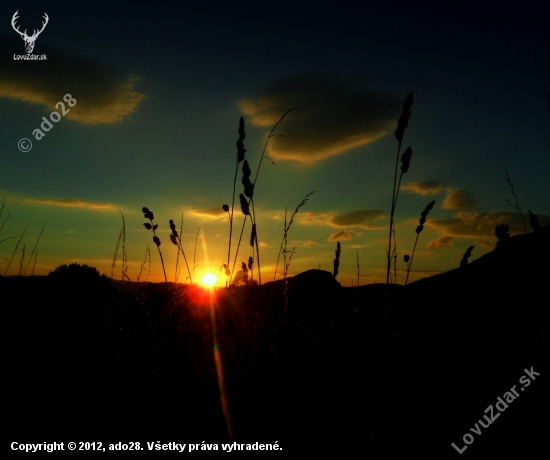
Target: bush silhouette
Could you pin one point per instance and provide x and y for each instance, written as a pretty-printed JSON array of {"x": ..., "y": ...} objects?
[{"x": 76, "y": 272}]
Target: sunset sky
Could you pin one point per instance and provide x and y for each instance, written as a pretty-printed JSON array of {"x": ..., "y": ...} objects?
[{"x": 160, "y": 88}]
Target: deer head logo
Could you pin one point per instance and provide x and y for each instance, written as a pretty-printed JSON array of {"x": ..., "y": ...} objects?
[{"x": 29, "y": 41}]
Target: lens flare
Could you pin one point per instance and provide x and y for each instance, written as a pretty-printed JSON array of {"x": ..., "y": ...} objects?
[{"x": 209, "y": 279}]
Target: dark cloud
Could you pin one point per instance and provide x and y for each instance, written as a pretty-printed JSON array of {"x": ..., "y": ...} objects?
[
  {"x": 476, "y": 224},
  {"x": 441, "y": 242},
  {"x": 485, "y": 244},
  {"x": 342, "y": 235},
  {"x": 102, "y": 94},
  {"x": 458, "y": 200},
  {"x": 362, "y": 218},
  {"x": 426, "y": 187},
  {"x": 335, "y": 117}
]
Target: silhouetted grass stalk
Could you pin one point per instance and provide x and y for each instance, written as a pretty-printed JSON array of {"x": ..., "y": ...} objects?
[
  {"x": 35, "y": 249},
  {"x": 177, "y": 272},
  {"x": 402, "y": 124},
  {"x": 5, "y": 221},
  {"x": 418, "y": 230},
  {"x": 34, "y": 264},
  {"x": 124, "y": 268},
  {"x": 175, "y": 238},
  {"x": 146, "y": 258},
  {"x": 22, "y": 260},
  {"x": 115, "y": 256},
  {"x": 15, "y": 250},
  {"x": 516, "y": 206},
  {"x": 249, "y": 202},
  {"x": 287, "y": 228},
  {"x": 239, "y": 158},
  {"x": 195, "y": 253},
  {"x": 152, "y": 226},
  {"x": 337, "y": 259}
]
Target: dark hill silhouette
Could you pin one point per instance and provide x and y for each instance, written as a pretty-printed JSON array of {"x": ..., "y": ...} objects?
[{"x": 309, "y": 363}]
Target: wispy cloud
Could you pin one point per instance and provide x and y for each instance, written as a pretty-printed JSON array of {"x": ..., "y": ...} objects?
[
  {"x": 458, "y": 200},
  {"x": 342, "y": 235},
  {"x": 74, "y": 203},
  {"x": 362, "y": 218},
  {"x": 102, "y": 94},
  {"x": 441, "y": 242},
  {"x": 335, "y": 118},
  {"x": 304, "y": 243},
  {"x": 424, "y": 188},
  {"x": 210, "y": 213}
]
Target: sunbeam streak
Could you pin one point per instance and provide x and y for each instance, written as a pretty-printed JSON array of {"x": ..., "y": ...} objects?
[{"x": 219, "y": 370}]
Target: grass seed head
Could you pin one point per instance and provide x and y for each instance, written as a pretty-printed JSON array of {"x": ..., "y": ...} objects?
[
  {"x": 147, "y": 214},
  {"x": 406, "y": 160},
  {"x": 403, "y": 121},
  {"x": 427, "y": 209},
  {"x": 173, "y": 228},
  {"x": 156, "y": 240},
  {"x": 240, "y": 145},
  {"x": 337, "y": 259},
  {"x": 248, "y": 186},
  {"x": 244, "y": 205},
  {"x": 423, "y": 215},
  {"x": 253, "y": 235}
]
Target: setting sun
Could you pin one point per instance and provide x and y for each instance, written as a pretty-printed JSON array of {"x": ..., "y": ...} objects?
[{"x": 209, "y": 279}]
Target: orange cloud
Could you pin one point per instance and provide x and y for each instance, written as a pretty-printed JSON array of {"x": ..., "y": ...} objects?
[
  {"x": 336, "y": 117},
  {"x": 304, "y": 243},
  {"x": 441, "y": 242},
  {"x": 74, "y": 203},
  {"x": 424, "y": 188},
  {"x": 342, "y": 235},
  {"x": 210, "y": 213},
  {"x": 458, "y": 200},
  {"x": 485, "y": 244},
  {"x": 102, "y": 94}
]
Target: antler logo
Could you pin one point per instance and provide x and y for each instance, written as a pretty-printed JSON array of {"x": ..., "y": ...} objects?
[{"x": 29, "y": 41}]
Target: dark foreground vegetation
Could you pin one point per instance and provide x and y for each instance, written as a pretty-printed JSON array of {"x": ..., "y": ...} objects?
[{"x": 325, "y": 368}]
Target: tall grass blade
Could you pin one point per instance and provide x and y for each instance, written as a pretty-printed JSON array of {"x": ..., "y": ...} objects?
[{"x": 35, "y": 249}]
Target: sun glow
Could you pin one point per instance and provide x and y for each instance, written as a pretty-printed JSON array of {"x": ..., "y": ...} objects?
[{"x": 209, "y": 280}]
